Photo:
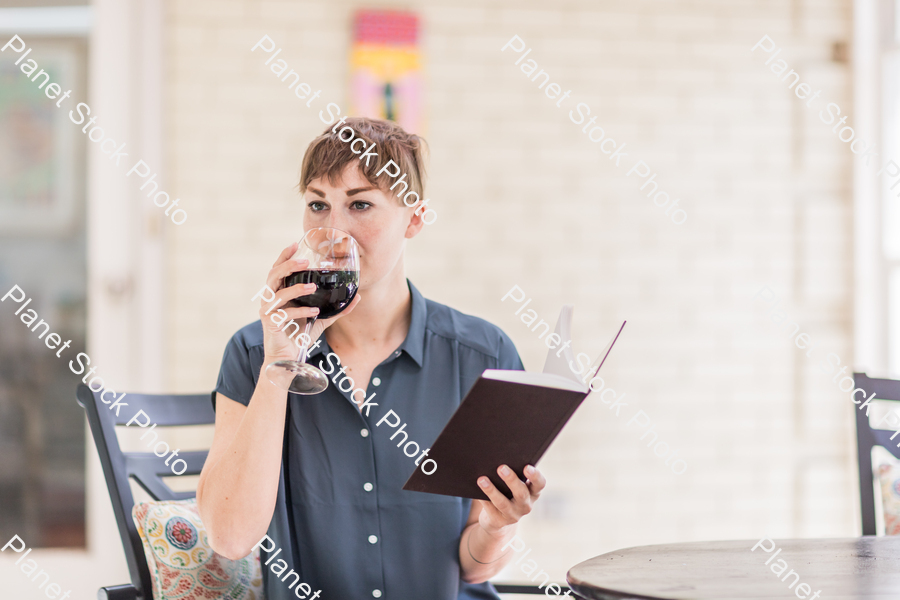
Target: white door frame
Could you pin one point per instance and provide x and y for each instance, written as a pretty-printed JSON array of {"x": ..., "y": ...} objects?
[{"x": 869, "y": 293}]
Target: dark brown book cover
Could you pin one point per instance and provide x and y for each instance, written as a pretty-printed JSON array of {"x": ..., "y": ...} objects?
[{"x": 498, "y": 423}]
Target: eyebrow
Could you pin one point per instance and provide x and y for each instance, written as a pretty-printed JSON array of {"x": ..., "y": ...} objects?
[
  {"x": 352, "y": 192},
  {"x": 355, "y": 191}
]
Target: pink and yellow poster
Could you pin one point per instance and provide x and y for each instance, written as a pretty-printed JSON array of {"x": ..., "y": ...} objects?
[{"x": 385, "y": 68}]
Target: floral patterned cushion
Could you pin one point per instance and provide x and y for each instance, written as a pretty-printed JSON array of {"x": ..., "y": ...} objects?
[
  {"x": 182, "y": 565},
  {"x": 889, "y": 477}
]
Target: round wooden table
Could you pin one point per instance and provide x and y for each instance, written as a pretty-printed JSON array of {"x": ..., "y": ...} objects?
[{"x": 860, "y": 568}]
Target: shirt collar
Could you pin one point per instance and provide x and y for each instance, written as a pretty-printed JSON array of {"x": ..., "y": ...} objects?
[{"x": 414, "y": 344}]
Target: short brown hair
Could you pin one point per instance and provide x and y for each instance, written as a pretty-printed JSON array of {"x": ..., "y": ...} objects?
[{"x": 328, "y": 155}]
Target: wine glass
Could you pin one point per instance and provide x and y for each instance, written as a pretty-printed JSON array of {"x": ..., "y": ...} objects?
[{"x": 333, "y": 257}]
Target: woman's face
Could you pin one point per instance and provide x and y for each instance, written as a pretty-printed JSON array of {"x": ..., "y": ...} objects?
[{"x": 379, "y": 222}]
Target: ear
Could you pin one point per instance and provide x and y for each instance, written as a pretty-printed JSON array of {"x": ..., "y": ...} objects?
[{"x": 415, "y": 223}]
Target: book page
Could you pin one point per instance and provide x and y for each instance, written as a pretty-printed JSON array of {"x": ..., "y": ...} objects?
[
  {"x": 548, "y": 380},
  {"x": 559, "y": 365}
]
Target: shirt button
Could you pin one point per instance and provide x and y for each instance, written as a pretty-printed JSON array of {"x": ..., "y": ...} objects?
[
  {"x": 373, "y": 539},
  {"x": 364, "y": 433},
  {"x": 368, "y": 487},
  {"x": 397, "y": 353},
  {"x": 376, "y": 593},
  {"x": 376, "y": 381}
]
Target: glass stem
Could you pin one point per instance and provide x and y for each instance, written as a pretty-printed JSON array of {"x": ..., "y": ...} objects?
[{"x": 304, "y": 351}]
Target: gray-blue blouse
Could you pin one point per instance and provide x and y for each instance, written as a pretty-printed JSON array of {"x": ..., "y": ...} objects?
[{"x": 342, "y": 520}]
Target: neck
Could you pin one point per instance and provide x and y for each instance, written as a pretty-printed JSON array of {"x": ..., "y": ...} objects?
[{"x": 382, "y": 316}]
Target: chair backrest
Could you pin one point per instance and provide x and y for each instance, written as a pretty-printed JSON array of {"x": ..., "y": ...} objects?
[
  {"x": 867, "y": 437},
  {"x": 146, "y": 468}
]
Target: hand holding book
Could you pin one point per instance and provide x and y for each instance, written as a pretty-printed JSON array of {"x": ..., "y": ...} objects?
[
  {"x": 501, "y": 511},
  {"x": 508, "y": 418}
]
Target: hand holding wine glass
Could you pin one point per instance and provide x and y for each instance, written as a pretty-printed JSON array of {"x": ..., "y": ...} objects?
[
  {"x": 320, "y": 277},
  {"x": 277, "y": 343},
  {"x": 281, "y": 343}
]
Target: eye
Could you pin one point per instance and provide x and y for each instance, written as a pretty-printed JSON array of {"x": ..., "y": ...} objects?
[
  {"x": 360, "y": 205},
  {"x": 317, "y": 206}
]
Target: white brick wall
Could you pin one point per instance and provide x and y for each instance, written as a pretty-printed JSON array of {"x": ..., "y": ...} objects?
[{"x": 524, "y": 198}]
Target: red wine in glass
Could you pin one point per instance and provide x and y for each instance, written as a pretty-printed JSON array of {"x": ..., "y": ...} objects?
[
  {"x": 334, "y": 290},
  {"x": 333, "y": 257}
]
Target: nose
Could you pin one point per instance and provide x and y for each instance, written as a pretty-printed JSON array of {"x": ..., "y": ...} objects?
[{"x": 337, "y": 219}]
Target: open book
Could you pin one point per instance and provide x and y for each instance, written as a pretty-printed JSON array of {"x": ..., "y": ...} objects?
[{"x": 507, "y": 418}]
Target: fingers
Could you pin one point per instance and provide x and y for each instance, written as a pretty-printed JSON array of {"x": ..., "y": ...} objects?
[
  {"x": 295, "y": 291},
  {"x": 524, "y": 494},
  {"x": 289, "y": 267},
  {"x": 286, "y": 254},
  {"x": 301, "y": 313},
  {"x": 297, "y": 313},
  {"x": 516, "y": 486},
  {"x": 496, "y": 497},
  {"x": 285, "y": 295},
  {"x": 276, "y": 275},
  {"x": 536, "y": 481}
]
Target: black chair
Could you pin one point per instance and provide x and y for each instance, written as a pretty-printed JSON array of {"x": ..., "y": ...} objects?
[
  {"x": 148, "y": 470},
  {"x": 145, "y": 467},
  {"x": 867, "y": 437}
]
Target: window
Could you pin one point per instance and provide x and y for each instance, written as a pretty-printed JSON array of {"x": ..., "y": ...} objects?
[{"x": 43, "y": 251}]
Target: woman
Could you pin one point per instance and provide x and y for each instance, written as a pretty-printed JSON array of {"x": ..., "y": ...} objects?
[{"x": 314, "y": 473}]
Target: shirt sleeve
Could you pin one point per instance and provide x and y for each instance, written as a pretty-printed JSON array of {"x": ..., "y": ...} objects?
[
  {"x": 236, "y": 379},
  {"x": 508, "y": 357}
]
